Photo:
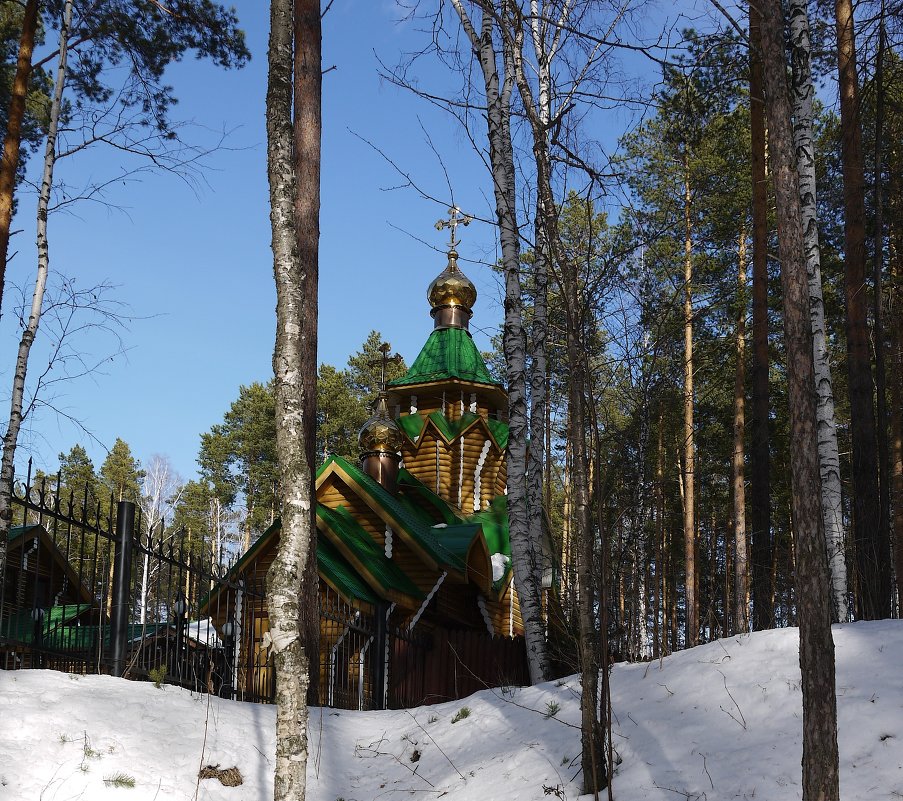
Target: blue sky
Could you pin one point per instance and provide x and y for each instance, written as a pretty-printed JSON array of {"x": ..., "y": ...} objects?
[{"x": 194, "y": 265}]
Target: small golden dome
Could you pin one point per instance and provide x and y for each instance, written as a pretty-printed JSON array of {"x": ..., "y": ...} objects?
[
  {"x": 451, "y": 287},
  {"x": 379, "y": 433}
]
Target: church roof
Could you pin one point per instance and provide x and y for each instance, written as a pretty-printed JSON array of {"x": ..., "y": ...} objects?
[
  {"x": 414, "y": 425},
  {"x": 449, "y": 353}
]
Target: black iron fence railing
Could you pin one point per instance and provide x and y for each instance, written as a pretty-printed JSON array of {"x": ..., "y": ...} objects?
[{"x": 92, "y": 588}]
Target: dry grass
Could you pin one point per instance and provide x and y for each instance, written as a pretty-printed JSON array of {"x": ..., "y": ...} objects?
[{"x": 229, "y": 777}]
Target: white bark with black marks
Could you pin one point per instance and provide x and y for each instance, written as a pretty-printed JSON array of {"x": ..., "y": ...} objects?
[
  {"x": 11, "y": 438},
  {"x": 524, "y": 555},
  {"x": 294, "y": 245},
  {"x": 802, "y": 93}
]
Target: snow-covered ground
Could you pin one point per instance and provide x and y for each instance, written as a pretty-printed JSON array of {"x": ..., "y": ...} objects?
[{"x": 718, "y": 722}]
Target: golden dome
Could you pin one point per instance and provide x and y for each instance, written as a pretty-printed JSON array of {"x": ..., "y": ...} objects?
[
  {"x": 379, "y": 433},
  {"x": 451, "y": 287}
]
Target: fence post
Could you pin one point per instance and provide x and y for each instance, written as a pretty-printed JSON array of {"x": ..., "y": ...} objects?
[
  {"x": 122, "y": 568},
  {"x": 379, "y": 656}
]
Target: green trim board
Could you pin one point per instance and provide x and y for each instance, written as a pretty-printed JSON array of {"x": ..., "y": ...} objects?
[
  {"x": 449, "y": 353},
  {"x": 414, "y": 426}
]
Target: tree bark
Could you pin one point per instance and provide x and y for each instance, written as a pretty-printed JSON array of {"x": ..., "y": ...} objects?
[
  {"x": 11, "y": 438},
  {"x": 13, "y": 138},
  {"x": 689, "y": 461},
  {"x": 741, "y": 564},
  {"x": 896, "y": 394},
  {"x": 501, "y": 159},
  {"x": 759, "y": 457},
  {"x": 803, "y": 92},
  {"x": 871, "y": 548},
  {"x": 820, "y": 755},
  {"x": 884, "y": 468},
  {"x": 295, "y": 237},
  {"x": 307, "y": 132}
]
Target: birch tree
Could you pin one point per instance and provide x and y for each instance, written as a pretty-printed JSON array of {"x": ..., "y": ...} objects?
[
  {"x": 293, "y": 170},
  {"x": 11, "y": 438},
  {"x": 803, "y": 92},
  {"x": 498, "y": 85}
]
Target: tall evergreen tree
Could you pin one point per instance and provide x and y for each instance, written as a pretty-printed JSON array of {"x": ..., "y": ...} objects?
[{"x": 121, "y": 473}]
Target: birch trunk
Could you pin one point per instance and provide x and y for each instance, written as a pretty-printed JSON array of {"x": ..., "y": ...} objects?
[
  {"x": 820, "y": 755},
  {"x": 13, "y": 138},
  {"x": 593, "y": 753},
  {"x": 295, "y": 246},
  {"x": 803, "y": 92},
  {"x": 741, "y": 563},
  {"x": 538, "y": 376},
  {"x": 871, "y": 549},
  {"x": 762, "y": 545},
  {"x": 501, "y": 159},
  {"x": 11, "y": 438}
]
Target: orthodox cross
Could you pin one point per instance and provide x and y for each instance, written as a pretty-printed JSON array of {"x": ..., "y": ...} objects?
[
  {"x": 383, "y": 362},
  {"x": 453, "y": 222}
]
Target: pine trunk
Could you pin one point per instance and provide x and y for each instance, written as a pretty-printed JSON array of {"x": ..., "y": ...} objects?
[
  {"x": 871, "y": 549},
  {"x": 307, "y": 131},
  {"x": 11, "y": 438},
  {"x": 820, "y": 755},
  {"x": 884, "y": 468},
  {"x": 692, "y": 600},
  {"x": 803, "y": 92},
  {"x": 741, "y": 565},
  {"x": 13, "y": 138},
  {"x": 896, "y": 407},
  {"x": 759, "y": 458},
  {"x": 295, "y": 235}
]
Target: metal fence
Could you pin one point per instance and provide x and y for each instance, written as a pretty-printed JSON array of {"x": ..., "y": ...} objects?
[{"x": 90, "y": 588}]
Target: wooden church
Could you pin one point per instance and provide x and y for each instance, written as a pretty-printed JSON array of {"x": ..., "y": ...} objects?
[{"x": 417, "y": 601}]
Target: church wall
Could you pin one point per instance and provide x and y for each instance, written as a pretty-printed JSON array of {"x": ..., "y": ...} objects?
[{"x": 411, "y": 564}]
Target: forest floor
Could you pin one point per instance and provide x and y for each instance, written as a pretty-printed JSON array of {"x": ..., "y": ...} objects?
[{"x": 717, "y": 722}]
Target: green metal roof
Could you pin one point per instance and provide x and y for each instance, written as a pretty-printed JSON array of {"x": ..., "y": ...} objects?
[
  {"x": 18, "y": 531},
  {"x": 449, "y": 353},
  {"x": 458, "y": 538},
  {"x": 340, "y": 574},
  {"x": 20, "y": 626},
  {"x": 494, "y": 520},
  {"x": 370, "y": 555},
  {"x": 414, "y": 425},
  {"x": 408, "y": 521},
  {"x": 409, "y": 483},
  {"x": 499, "y": 431}
]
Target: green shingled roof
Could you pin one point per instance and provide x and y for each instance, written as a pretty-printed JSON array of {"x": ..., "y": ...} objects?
[
  {"x": 20, "y": 626},
  {"x": 408, "y": 521},
  {"x": 494, "y": 520},
  {"x": 408, "y": 483},
  {"x": 18, "y": 531},
  {"x": 340, "y": 574},
  {"x": 448, "y": 353},
  {"x": 370, "y": 555}
]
